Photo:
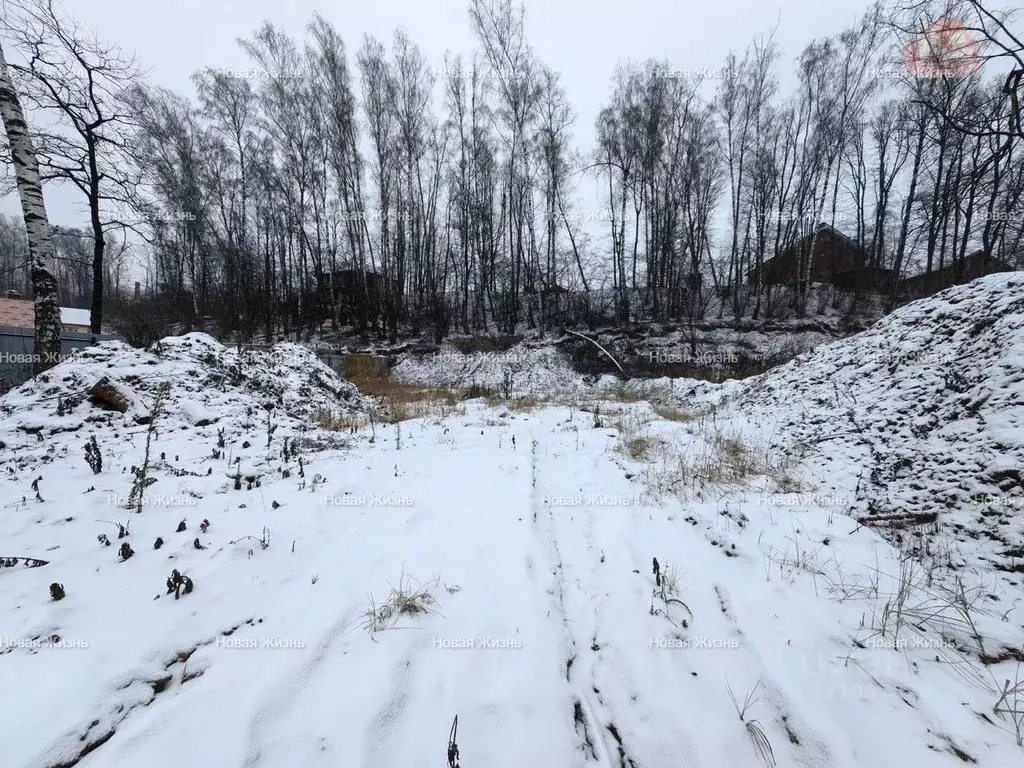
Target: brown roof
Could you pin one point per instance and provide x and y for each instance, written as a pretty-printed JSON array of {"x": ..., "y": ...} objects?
[{"x": 21, "y": 313}]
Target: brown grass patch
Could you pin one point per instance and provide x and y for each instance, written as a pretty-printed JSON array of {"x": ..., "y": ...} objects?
[
  {"x": 639, "y": 448},
  {"x": 337, "y": 422},
  {"x": 399, "y": 401},
  {"x": 621, "y": 394},
  {"x": 525, "y": 404},
  {"x": 673, "y": 414}
]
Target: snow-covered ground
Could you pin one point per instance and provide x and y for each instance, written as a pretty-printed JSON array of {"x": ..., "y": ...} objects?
[{"x": 790, "y": 628}]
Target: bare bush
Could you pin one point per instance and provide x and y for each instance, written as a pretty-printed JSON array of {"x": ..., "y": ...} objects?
[{"x": 406, "y": 598}]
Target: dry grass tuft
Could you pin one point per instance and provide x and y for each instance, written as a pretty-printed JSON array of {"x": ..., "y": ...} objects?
[
  {"x": 620, "y": 393},
  {"x": 1011, "y": 702},
  {"x": 407, "y": 598},
  {"x": 639, "y": 448},
  {"x": 710, "y": 455},
  {"x": 338, "y": 422},
  {"x": 759, "y": 739},
  {"x": 525, "y": 404},
  {"x": 632, "y": 442}
]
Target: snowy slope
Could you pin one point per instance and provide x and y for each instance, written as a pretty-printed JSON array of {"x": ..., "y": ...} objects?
[
  {"x": 212, "y": 388},
  {"x": 922, "y": 415},
  {"x": 534, "y": 531}
]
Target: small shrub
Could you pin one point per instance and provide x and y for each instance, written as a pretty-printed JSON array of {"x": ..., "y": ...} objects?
[
  {"x": 404, "y": 599},
  {"x": 93, "y": 457},
  {"x": 142, "y": 478}
]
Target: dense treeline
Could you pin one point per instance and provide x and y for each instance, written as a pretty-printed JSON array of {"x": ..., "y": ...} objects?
[
  {"x": 72, "y": 259},
  {"x": 451, "y": 198}
]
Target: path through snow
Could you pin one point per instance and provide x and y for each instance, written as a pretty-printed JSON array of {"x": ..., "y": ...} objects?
[{"x": 542, "y": 638}]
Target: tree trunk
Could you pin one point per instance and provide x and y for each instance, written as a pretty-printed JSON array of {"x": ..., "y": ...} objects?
[
  {"x": 37, "y": 226},
  {"x": 98, "y": 240}
]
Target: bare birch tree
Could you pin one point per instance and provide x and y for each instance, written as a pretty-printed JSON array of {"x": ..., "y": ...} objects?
[{"x": 37, "y": 225}]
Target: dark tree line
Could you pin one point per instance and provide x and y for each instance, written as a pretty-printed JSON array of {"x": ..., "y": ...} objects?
[
  {"x": 863, "y": 145},
  {"x": 366, "y": 186},
  {"x": 73, "y": 251}
]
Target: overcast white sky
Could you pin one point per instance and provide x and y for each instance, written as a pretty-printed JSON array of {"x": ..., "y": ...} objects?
[{"x": 583, "y": 39}]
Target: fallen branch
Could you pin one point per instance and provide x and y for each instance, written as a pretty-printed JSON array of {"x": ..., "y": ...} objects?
[
  {"x": 899, "y": 518},
  {"x": 599, "y": 347}
]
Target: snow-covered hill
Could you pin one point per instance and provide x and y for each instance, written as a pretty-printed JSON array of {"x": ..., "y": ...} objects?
[
  {"x": 212, "y": 389},
  {"x": 354, "y": 590},
  {"x": 923, "y": 415}
]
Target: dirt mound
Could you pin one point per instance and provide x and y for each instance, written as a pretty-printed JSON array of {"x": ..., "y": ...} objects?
[
  {"x": 927, "y": 407},
  {"x": 209, "y": 385}
]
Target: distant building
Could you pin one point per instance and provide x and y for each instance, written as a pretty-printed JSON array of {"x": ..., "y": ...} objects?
[
  {"x": 977, "y": 264},
  {"x": 21, "y": 313},
  {"x": 359, "y": 294},
  {"x": 17, "y": 337},
  {"x": 75, "y": 319},
  {"x": 836, "y": 260}
]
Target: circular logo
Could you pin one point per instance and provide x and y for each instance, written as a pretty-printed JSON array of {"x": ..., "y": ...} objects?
[{"x": 945, "y": 50}]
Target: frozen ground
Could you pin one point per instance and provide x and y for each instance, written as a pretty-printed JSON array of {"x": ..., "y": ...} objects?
[{"x": 812, "y": 611}]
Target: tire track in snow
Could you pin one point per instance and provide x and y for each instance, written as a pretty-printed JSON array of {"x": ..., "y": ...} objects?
[
  {"x": 542, "y": 516},
  {"x": 588, "y": 730},
  {"x": 386, "y": 726},
  {"x": 807, "y": 747},
  {"x": 283, "y": 698},
  {"x": 593, "y": 731},
  {"x": 638, "y": 727}
]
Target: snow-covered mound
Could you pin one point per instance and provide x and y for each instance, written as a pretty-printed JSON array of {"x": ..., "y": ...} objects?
[
  {"x": 925, "y": 409},
  {"x": 210, "y": 385}
]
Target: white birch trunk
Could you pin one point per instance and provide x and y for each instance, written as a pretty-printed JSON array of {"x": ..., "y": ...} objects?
[{"x": 37, "y": 226}]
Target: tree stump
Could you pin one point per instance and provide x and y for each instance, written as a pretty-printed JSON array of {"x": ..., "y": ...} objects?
[{"x": 112, "y": 394}]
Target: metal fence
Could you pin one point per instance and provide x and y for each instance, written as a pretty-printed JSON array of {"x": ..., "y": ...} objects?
[
  {"x": 17, "y": 351},
  {"x": 343, "y": 363}
]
